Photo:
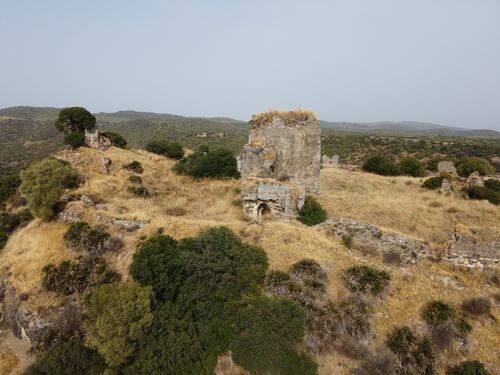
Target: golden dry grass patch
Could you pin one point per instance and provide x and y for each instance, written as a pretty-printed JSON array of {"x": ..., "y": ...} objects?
[{"x": 8, "y": 360}]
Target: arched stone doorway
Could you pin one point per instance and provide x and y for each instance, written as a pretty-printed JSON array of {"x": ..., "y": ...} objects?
[{"x": 263, "y": 210}]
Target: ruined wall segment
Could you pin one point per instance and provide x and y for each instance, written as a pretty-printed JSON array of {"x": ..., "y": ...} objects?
[{"x": 285, "y": 146}]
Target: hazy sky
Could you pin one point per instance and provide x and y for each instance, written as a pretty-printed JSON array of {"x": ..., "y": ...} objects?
[{"x": 352, "y": 60}]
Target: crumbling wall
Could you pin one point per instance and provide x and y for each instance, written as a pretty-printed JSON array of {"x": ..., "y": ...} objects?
[{"x": 285, "y": 146}]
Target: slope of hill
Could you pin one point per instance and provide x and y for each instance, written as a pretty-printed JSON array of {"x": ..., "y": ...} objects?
[{"x": 181, "y": 207}]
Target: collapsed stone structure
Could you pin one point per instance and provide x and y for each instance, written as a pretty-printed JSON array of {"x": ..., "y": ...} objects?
[
  {"x": 331, "y": 162},
  {"x": 446, "y": 166},
  {"x": 280, "y": 163},
  {"x": 95, "y": 140}
]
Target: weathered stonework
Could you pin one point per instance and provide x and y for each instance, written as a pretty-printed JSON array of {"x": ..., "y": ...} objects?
[
  {"x": 475, "y": 179},
  {"x": 445, "y": 186},
  {"x": 330, "y": 162},
  {"x": 94, "y": 140},
  {"x": 284, "y": 146},
  {"x": 446, "y": 166}
]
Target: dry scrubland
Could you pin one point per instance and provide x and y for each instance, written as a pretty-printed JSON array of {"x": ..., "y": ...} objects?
[{"x": 182, "y": 207}]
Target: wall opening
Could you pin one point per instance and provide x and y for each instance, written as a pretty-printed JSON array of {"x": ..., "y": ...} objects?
[{"x": 263, "y": 210}]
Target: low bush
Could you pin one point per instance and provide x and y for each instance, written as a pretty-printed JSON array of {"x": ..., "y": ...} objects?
[
  {"x": 138, "y": 191},
  {"x": 433, "y": 183},
  {"x": 477, "y": 306},
  {"x": 9, "y": 222},
  {"x": 172, "y": 150},
  {"x": 363, "y": 279},
  {"x": 412, "y": 167},
  {"x": 348, "y": 240},
  {"x": 414, "y": 355},
  {"x": 69, "y": 358},
  {"x": 492, "y": 184},
  {"x": 219, "y": 163},
  {"x": 307, "y": 271},
  {"x": 483, "y": 193},
  {"x": 135, "y": 179},
  {"x": 44, "y": 182},
  {"x": 134, "y": 166},
  {"x": 81, "y": 236},
  {"x": 8, "y": 185},
  {"x": 311, "y": 212},
  {"x": 469, "y": 165},
  {"x": 74, "y": 140},
  {"x": 382, "y": 166},
  {"x": 445, "y": 323},
  {"x": 393, "y": 257},
  {"x": 468, "y": 368},
  {"x": 3, "y": 239},
  {"x": 77, "y": 276},
  {"x": 383, "y": 363},
  {"x": 116, "y": 139},
  {"x": 432, "y": 164}
]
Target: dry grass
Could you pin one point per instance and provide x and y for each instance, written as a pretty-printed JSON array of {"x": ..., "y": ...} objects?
[
  {"x": 8, "y": 360},
  {"x": 182, "y": 207},
  {"x": 289, "y": 117}
]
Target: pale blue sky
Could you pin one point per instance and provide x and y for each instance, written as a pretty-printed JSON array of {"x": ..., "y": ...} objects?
[{"x": 352, "y": 60}]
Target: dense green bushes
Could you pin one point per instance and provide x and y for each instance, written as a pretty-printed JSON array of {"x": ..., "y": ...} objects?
[
  {"x": 433, "y": 183},
  {"x": 44, "y": 182},
  {"x": 468, "y": 368},
  {"x": 218, "y": 163},
  {"x": 138, "y": 191},
  {"x": 134, "y": 166},
  {"x": 483, "y": 193},
  {"x": 135, "y": 179},
  {"x": 74, "y": 140},
  {"x": 412, "y": 167},
  {"x": 75, "y": 120},
  {"x": 70, "y": 358},
  {"x": 8, "y": 185},
  {"x": 81, "y": 236},
  {"x": 311, "y": 212},
  {"x": 172, "y": 150},
  {"x": 77, "y": 276},
  {"x": 118, "y": 316},
  {"x": 469, "y": 165},
  {"x": 492, "y": 184},
  {"x": 116, "y": 139},
  {"x": 363, "y": 279},
  {"x": 381, "y": 165}
]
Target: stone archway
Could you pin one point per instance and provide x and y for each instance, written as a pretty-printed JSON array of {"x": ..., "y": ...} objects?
[{"x": 263, "y": 210}]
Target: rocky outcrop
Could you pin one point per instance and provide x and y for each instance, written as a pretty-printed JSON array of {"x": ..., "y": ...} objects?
[
  {"x": 447, "y": 167},
  {"x": 475, "y": 179},
  {"x": 466, "y": 250},
  {"x": 105, "y": 165},
  {"x": 330, "y": 162},
  {"x": 226, "y": 366},
  {"x": 69, "y": 216},
  {"x": 129, "y": 225},
  {"x": 95, "y": 140},
  {"x": 87, "y": 200},
  {"x": 445, "y": 186}
]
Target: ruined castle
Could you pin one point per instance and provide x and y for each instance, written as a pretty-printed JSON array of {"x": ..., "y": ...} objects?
[{"x": 281, "y": 163}]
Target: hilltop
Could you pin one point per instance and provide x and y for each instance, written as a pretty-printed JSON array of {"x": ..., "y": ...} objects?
[{"x": 181, "y": 207}]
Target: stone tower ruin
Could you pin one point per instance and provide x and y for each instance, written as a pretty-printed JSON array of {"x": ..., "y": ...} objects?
[{"x": 281, "y": 162}]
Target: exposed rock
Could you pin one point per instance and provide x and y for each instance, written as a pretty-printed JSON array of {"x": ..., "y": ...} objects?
[
  {"x": 284, "y": 146},
  {"x": 69, "y": 216},
  {"x": 446, "y": 166},
  {"x": 226, "y": 366},
  {"x": 94, "y": 140},
  {"x": 331, "y": 162},
  {"x": 101, "y": 206},
  {"x": 273, "y": 198},
  {"x": 445, "y": 186},
  {"x": 475, "y": 179},
  {"x": 466, "y": 250},
  {"x": 129, "y": 225},
  {"x": 105, "y": 165},
  {"x": 87, "y": 200}
]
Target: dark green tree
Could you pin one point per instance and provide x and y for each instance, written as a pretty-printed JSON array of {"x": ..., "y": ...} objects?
[
  {"x": 311, "y": 212},
  {"x": 75, "y": 119}
]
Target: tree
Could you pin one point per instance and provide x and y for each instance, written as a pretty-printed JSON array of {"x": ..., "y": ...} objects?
[
  {"x": 8, "y": 185},
  {"x": 311, "y": 212},
  {"x": 381, "y": 165},
  {"x": 44, "y": 182},
  {"x": 74, "y": 140},
  {"x": 116, "y": 139},
  {"x": 470, "y": 165},
  {"x": 219, "y": 163},
  {"x": 412, "y": 166},
  {"x": 166, "y": 148},
  {"x": 75, "y": 119},
  {"x": 117, "y": 317}
]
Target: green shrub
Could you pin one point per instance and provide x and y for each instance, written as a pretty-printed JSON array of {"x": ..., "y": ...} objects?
[
  {"x": 203, "y": 148},
  {"x": 381, "y": 165},
  {"x": 237, "y": 203},
  {"x": 77, "y": 276},
  {"x": 218, "y": 163},
  {"x": 483, "y": 193},
  {"x": 9, "y": 222},
  {"x": 74, "y": 140},
  {"x": 432, "y": 164},
  {"x": 412, "y": 166},
  {"x": 118, "y": 315},
  {"x": 433, "y": 183},
  {"x": 311, "y": 212},
  {"x": 116, "y": 139},
  {"x": 348, "y": 240},
  {"x": 44, "y": 182},
  {"x": 363, "y": 279},
  {"x": 442, "y": 318},
  {"x": 3, "y": 239},
  {"x": 8, "y": 185},
  {"x": 138, "y": 191},
  {"x": 468, "y": 368},
  {"x": 267, "y": 332},
  {"x": 135, "y": 179},
  {"x": 414, "y": 355},
  {"x": 69, "y": 358},
  {"x": 470, "y": 165},
  {"x": 75, "y": 120},
  {"x": 307, "y": 270},
  {"x": 492, "y": 184},
  {"x": 81, "y": 236},
  {"x": 172, "y": 150},
  {"x": 134, "y": 166}
]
